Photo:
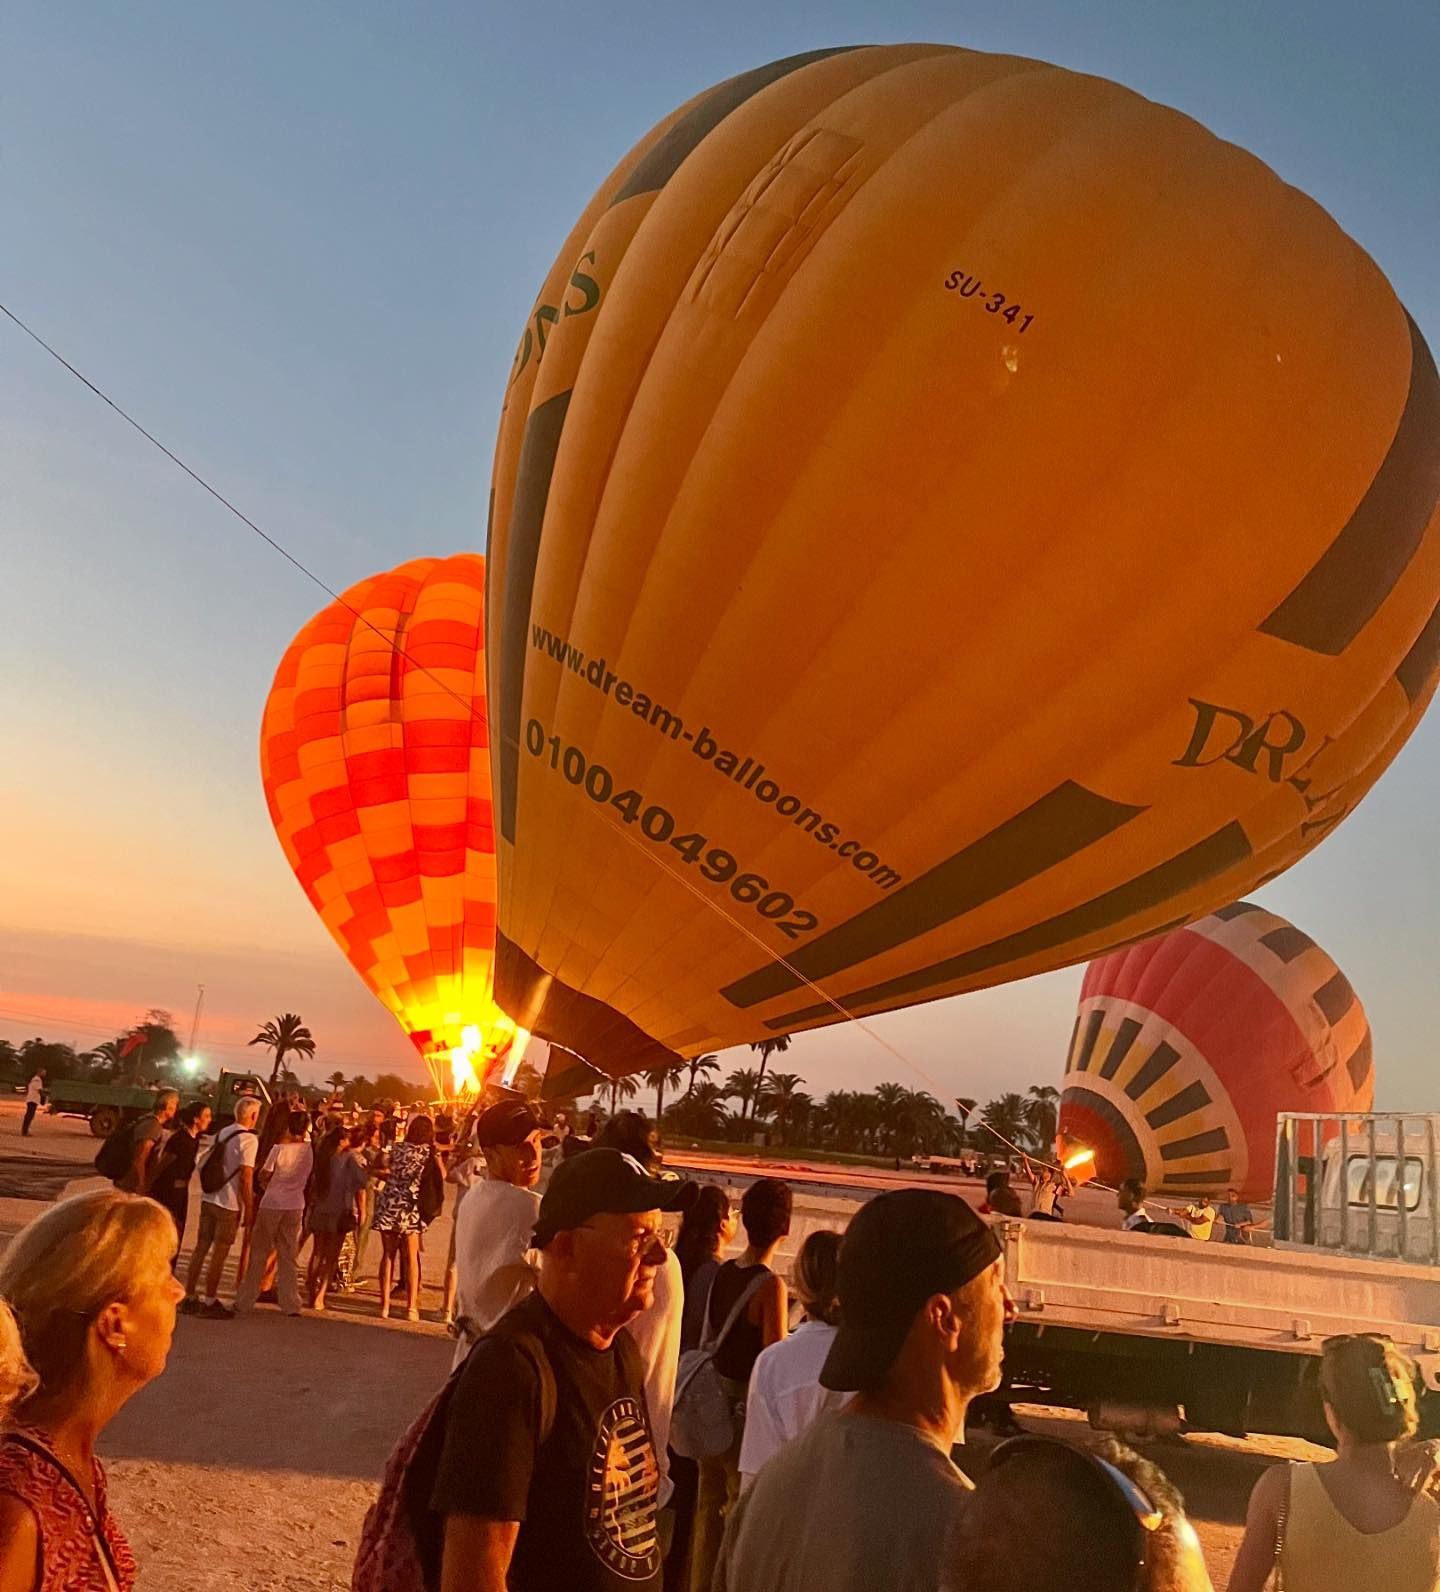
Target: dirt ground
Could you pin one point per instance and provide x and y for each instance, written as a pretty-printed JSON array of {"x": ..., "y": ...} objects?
[{"x": 249, "y": 1465}]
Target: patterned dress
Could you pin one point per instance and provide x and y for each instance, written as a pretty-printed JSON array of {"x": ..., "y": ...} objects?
[
  {"x": 398, "y": 1208},
  {"x": 70, "y": 1560}
]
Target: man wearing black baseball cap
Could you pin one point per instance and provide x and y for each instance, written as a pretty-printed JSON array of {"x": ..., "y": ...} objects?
[
  {"x": 547, "y": 1476},
  {"x": 868, "y": 1496},
  {"x": 495, "y": 1218}
]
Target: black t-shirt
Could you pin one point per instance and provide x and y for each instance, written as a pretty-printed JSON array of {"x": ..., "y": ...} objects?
[
  {"x": 586, "y": 1495},
  {"x": 735, "y": 1357},
  {"x": 177, "y": 1162}
]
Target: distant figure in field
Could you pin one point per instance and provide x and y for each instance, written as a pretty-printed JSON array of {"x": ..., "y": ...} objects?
[{"x": 34, "y": 1099}]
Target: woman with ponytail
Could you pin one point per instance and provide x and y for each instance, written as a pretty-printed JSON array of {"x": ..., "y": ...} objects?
[
  {"x": 86, "y": 1320},
  {"x": 1363, "y": 1520}
]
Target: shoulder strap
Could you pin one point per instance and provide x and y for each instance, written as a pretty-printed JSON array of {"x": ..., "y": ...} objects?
[
  {"x": 107, "y": 1558},
  {"x": 534, "y": 1351},
  {"x": 748, "y": 1293},
  {"x": 1282, "y": 1516}
]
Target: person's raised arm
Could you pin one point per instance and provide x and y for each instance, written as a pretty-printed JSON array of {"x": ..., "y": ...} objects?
[
  {"x": 1255, "y": 1561},
  {"x": 477, "y": 1553}
]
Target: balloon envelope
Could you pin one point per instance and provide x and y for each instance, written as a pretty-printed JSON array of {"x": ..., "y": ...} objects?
[
  {"x": 1187, "y": 1046},
  {"x": 375, "y": 755},
  {"x": 950, "y": 516}
]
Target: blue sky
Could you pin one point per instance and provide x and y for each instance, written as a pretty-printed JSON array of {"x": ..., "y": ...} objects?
[{"x": 299, "y": 243}]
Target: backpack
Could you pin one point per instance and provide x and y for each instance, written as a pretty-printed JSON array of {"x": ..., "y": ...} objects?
[
  {"x": 702, "y": 1419},
  {"x": 113, "y": 1159},
  {"x": 431, "y": 1191},
  {"x": 213, "y": 1176},
  {"x": 400, "y": 1549}
]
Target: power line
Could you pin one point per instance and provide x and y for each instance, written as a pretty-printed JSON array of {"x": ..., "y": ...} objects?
[{"x": 471, "y": 707}]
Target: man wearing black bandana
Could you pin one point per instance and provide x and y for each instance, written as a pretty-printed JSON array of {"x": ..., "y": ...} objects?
[{"x": 868, "y": 1497}]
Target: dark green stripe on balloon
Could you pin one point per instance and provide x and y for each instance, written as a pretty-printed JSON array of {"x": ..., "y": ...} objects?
[
  {"x": 1358, "y": 571},
  {"x": 522, "y": 555},
  {"x": 1049, "y": 831},
  {"x": 1216, "y": 854},
  {"x": 659, "y": 164}
]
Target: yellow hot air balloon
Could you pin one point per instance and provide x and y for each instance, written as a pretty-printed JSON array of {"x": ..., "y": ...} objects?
[{"x": 951, "y": 516}]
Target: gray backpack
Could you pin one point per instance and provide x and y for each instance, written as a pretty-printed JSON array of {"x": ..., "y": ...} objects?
[{"x": 702, "y": 1421}]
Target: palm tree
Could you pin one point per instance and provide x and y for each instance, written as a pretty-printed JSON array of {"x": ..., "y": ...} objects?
[
  {"x": 890, "y": 1101},
  {"x": 743, "y": 1085},
  {"x": 780, "y": 1094},
  {"x": 704, "y": 1110},
  {"x": 657, "y": 1077},
  {"x": 622, "y": 1089},
  {"x": 767, "y": 1048},
  {"x": 1041, "y": 1115},
  {"x": 1008, "y": 1117},
  {"x": 286, "y": 1035},
  {"x": 965, "y": 1105},
  {"x": 105, "y": 1057},
  {"x": 336, "y": 1080},
  {"x": 698, "y": 1064}
]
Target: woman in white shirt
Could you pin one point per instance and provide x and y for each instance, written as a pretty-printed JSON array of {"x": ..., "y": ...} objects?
[
  {"x": 785, "y": 1393},
  {"x": 277, "y": 1224}
]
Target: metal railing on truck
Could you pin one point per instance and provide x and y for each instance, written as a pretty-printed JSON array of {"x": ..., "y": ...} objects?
[{"x": 1359, "y": 1183}]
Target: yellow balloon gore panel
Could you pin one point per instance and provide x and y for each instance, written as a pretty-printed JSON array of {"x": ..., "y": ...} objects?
[
  {"x": 951, "y": 517},
  {"x": 374, "y": 752}
]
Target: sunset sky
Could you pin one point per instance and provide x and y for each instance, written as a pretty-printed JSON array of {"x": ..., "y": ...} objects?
[{"x": 298, "y": 243}]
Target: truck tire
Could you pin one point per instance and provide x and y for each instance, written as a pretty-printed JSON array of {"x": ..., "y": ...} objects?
[{"x": 104, "y": 1120}]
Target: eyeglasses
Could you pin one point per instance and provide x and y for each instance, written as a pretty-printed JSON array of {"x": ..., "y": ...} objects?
[
  {"x": 637, "y": 1244},
  {"x": 1148, "y": 1517}
]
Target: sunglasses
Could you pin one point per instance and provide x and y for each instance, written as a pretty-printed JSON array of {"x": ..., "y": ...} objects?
[{"x": 1137, "y": 1503}]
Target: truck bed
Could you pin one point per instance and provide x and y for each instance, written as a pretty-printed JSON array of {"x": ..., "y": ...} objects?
[{"x": 1284, "y": 1301}]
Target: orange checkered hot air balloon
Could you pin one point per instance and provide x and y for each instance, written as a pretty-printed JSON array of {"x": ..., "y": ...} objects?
[
  {"x": 375, "y": 754},
  {"x": 952, "y": 516},
  {"x": 1186, "y": 1047}
]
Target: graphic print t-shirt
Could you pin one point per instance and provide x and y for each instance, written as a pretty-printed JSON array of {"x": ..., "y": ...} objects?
[{"x": 586, "y": 1495}]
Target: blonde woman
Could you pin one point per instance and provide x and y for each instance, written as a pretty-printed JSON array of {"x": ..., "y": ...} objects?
[
  {"x": 1361, "y": 1520},
  {"x": 93, "y": 1298}
]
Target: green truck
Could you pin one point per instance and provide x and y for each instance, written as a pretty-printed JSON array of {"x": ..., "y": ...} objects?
[{"x": 106, "y": 1106}]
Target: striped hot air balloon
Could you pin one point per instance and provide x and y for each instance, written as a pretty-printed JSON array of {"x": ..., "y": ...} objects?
[
  {"x": 951, "y": 516},
  {"x": 1187, "y": 1046},
  {"x": 375, "y": 755}
]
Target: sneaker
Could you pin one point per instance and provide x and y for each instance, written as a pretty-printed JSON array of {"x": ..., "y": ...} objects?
[
  {"x": 216, "y": 1312},
  {"x": 189, "y": 1306},
  {"x": 269, "y": 1297}
]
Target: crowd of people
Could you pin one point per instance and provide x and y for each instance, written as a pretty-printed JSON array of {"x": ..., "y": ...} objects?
[
  {"x": 630, "y": 1407},
  {"x": 276, "y": 1180}
]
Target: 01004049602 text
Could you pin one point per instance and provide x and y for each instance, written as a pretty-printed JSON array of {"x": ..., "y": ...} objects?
[{"x": 658, "y": 826}]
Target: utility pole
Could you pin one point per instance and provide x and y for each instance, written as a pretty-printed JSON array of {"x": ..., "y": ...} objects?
[{"x": 195, "y": 1020}]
